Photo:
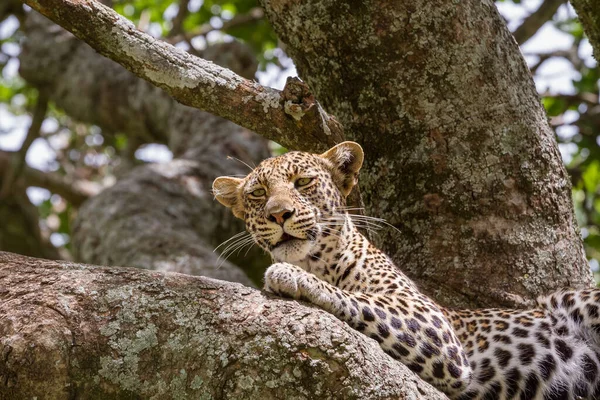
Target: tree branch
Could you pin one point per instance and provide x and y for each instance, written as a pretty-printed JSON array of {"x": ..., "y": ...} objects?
[
  {"x": 536, "y": 19},
  {"x": 18, "y": 160},
  {"x": 72, "y": 330},
  {"x": 589, "y": 15},
  {"x": 253, "y": 15},
  {"x": 182, "y": 13},
  {"x": 74, "y": 191},
  {"x": 295, "y": 123}
]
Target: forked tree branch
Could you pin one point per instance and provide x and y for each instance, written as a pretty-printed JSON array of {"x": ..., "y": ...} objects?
[{"x": 294, "y": 121}]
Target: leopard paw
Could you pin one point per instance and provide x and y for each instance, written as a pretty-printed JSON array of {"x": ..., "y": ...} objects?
[{"x": 283, "y": 279}]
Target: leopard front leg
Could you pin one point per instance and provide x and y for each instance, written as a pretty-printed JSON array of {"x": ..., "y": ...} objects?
[
  {"x": 430, "y": 349},
  {"x": 288, "y": 280}
]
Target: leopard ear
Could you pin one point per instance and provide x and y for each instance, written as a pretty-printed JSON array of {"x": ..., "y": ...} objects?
[
  {"x": 347, "y": 158},
  {"x": 226, "y": 191}
]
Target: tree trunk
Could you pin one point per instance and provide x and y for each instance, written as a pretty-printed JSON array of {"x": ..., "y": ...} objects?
[
  {"x": 589, "y": 15},
  {"x": 75, "y": 331},
  {"x": 459, "y": 154}
]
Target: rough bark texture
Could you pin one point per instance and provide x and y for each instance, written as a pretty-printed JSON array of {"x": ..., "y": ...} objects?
[
  {"x": 96, "y": 90},
  {"x": 122, "y": 333},
  {"x": 589, "y": 14},
  {"x": 279, "y": 115},
  {"x": 159, "y": 216},
  {"x": 459, "y": 155}
]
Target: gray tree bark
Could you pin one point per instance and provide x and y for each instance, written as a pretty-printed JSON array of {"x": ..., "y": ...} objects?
[
  {"x": 459, "y": 154},
  {"x": 76, "y": 331},
  {"x": 589, "y": 15}
]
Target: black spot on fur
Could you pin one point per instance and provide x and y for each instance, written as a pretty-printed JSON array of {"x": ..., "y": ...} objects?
[
  {"x": 542, "y": 340},
  {"x": 502, "y": 339},
  {"x": 368, "y": 314},
  {"x": 383, "y": 329},
  {"x": 581, "y": 389},
  {"x": 564, "y": 351},
  {"x": 420, "y": 317},
  {"x": 576, "y": 316},
  {"x": 519, "y": 332},
  {"x": 407, "y": 338},
  {"x": 403, "y": 351},
  {"x": 455, "y": 372},
  {"x": 502, "y": 356},
  {"x": 428, "y": 350},
  {"x": 415, "y": 367},
  {"x": 494, "y": 392},
  {"x": 380, "y": 313},
  {"x": 437, "y": 322},
  {"x": 432, "y": 334},
  {"x": 560, "y": 392},
  {"x": 590, "y": 368},
  {"x": 513, "y": 377},
  {"x": 531, "y": 387},
  {"x": 547, "y": 366},
  {"x": 413, "y": 324},
  {"x": 438, "y": 370},
  {"x": 526, "y": 353},
  {"x": 376, "y": 337},
  {"x": 592, "y": 311},
  {"x": 396, "y": 323},
  {"x": 568, "y": 301},
  {"x": 486, "y": 373}
]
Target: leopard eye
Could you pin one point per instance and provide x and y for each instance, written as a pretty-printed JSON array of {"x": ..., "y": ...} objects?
[
  {"x": 258, "y": 193},
  {"x": 303, "y": 182}
]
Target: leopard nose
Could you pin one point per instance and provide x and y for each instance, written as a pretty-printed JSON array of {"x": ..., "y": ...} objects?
[{"x": 281, "y": 216}]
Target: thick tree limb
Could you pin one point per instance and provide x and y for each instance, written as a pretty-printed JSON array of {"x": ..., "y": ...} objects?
[
  {"x": 77, "y": 331},
  {"x": 295, "y": 123},
  {"x": 536, "y": 19},
  {"x": 589, "y": 14}
]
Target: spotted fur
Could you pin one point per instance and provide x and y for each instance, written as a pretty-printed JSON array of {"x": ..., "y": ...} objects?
[{"x": 294, "y": 208}]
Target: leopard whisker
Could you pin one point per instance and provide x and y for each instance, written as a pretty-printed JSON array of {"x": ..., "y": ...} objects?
[
  {"x": 236, "y": 236},
  {"x": 232, "y": 247}
]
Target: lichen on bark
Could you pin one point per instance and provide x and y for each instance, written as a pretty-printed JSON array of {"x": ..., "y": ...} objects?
[{"x": 79, "y": 331}]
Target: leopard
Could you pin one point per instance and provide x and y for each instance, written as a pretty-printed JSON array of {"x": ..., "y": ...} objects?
[{"x": 294, "y": 207}]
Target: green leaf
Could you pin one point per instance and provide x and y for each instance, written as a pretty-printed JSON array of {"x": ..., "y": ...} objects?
[{"x": 591, "y": 176}]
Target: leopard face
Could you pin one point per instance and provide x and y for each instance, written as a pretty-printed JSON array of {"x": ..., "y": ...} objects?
[{"x": 288, "y": 202}]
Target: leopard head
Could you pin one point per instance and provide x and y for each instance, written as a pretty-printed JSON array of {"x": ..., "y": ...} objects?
[{"x": 285, "y": 199}]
